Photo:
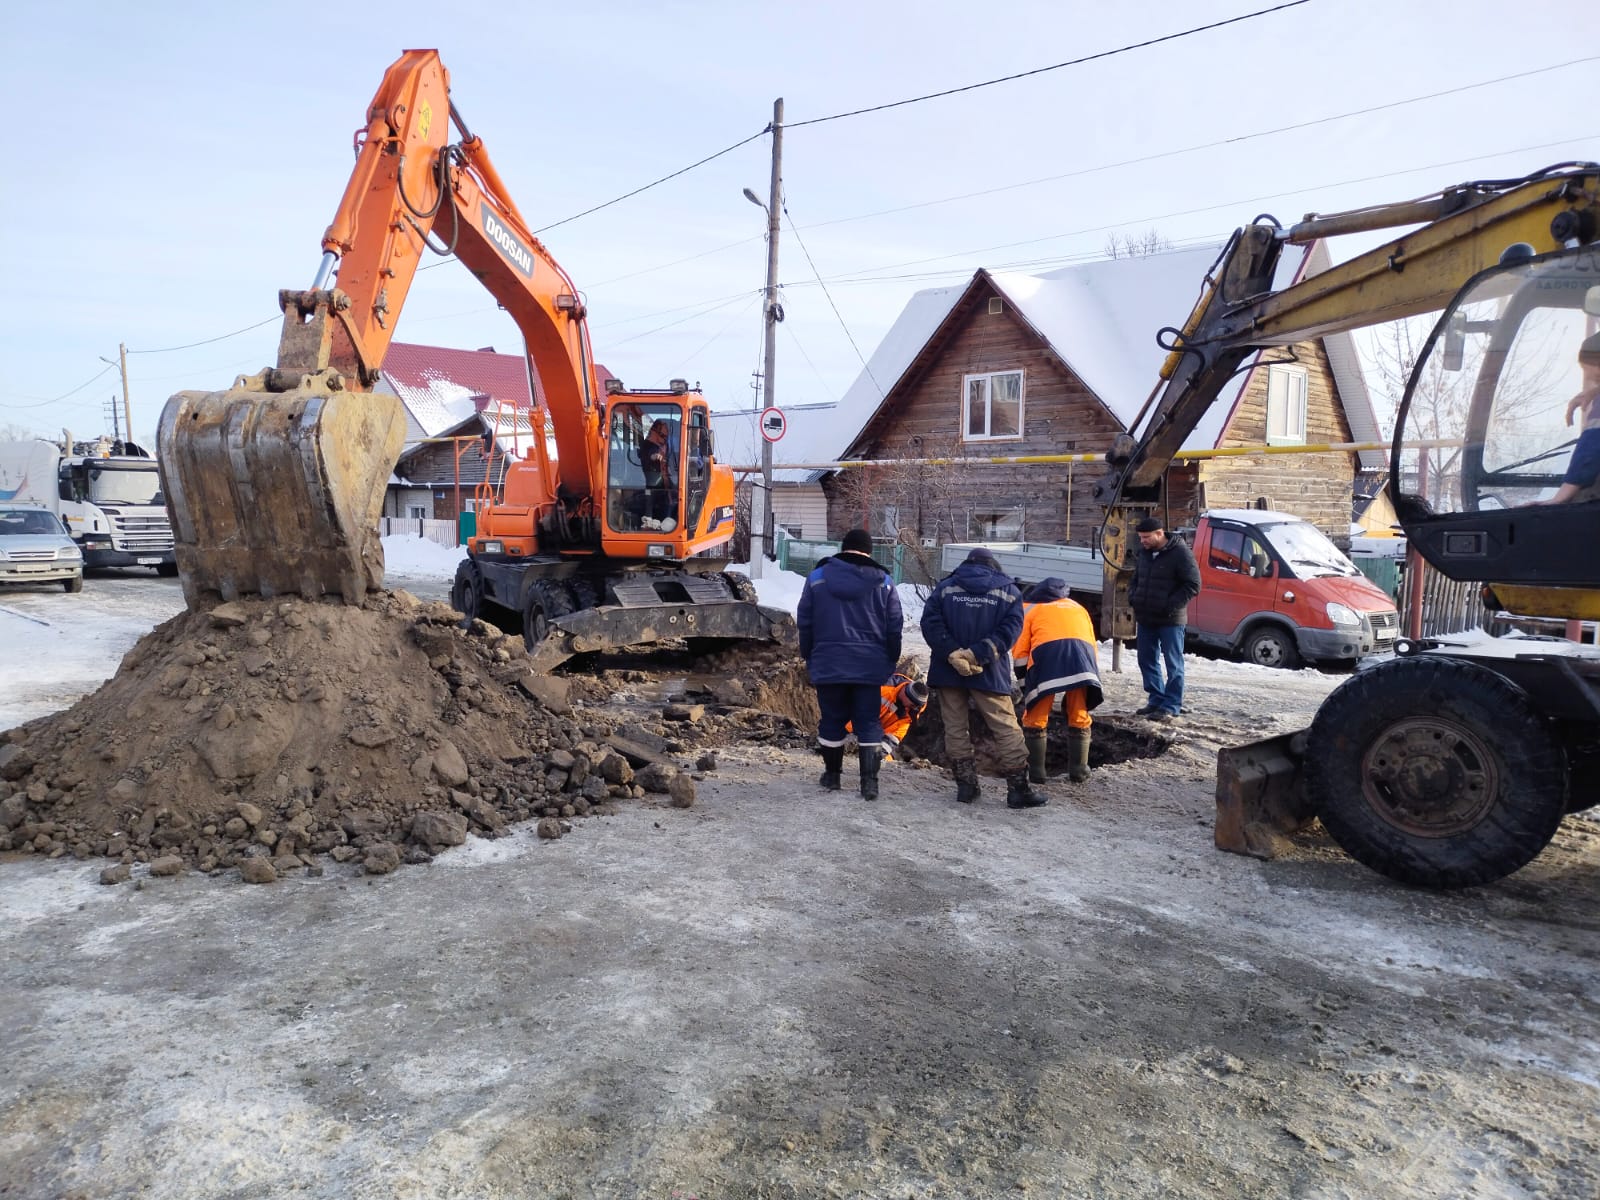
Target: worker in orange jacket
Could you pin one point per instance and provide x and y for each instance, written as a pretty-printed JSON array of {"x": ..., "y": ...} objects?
[
  {"x": 1057, "y": 647},
  {"x": 902, "y": 701}
]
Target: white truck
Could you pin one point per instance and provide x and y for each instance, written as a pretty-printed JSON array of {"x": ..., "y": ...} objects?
[{"x": 107, "y": 494}]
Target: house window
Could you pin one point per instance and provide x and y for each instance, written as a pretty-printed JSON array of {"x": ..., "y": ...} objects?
[
  {"x": 992, "y": 406},
  {"x": 418, "y": 512},
  {"x": 1286, "y": 405},
  {"x": 995, "y": 525}
]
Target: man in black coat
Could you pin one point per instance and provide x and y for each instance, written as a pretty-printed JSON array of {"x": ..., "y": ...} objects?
[{"x": 1165, "y": 579}]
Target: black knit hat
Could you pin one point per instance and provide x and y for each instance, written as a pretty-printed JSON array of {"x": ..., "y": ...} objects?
[
  {"x": 859, "y": 541},
  {"x": 981, "y": 555},
  {"x": 1149, "y": 525}
]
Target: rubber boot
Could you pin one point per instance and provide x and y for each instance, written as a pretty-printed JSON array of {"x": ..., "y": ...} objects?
[
  {"x": 1038, "y": 743},
  {"x": 1077, "y": 755},
  {"x": 870, "y": 759},
  {"x": 967, "y": 789},
  {"x": 832, "y": 767},
  {"x": 1019, "y": 794}
]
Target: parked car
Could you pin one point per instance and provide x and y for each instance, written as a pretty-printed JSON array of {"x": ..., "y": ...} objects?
[
  {"x": 35, "y": 548},
  {"x": 1277, "y": 592}
]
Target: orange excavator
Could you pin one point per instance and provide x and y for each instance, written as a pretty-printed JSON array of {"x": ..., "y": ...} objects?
[{"x": 601, "y": 540}]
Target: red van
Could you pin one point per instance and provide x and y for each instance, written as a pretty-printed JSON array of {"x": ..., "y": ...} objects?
[{"x": 1275, "y": 590}]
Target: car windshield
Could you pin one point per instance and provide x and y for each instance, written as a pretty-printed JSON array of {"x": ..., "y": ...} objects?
[
  {"x": 124, "y": 485},
  {"x": 29, "y": 520},
  {"x": 1307, "y": 550}
]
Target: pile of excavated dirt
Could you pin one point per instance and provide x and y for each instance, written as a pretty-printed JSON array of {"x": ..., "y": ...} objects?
[{"x": 264, "y": 734}]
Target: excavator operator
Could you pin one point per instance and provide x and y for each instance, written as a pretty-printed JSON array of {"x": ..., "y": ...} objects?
[{"x": 655, "y": 457}]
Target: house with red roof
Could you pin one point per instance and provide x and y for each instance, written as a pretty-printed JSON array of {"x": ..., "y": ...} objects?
[{"x": 467, "y": 416}]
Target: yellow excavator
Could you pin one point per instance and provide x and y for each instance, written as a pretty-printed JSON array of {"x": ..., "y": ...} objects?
[
  {"x": 1453, "y": 763},
  {"x": 603, "y": 536}
]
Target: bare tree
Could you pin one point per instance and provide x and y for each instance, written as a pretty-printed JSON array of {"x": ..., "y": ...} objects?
[
  {"x": 1441, "y": 400},
  {"x": 12, "y": 432},
  {"x": 1136, "y": 245},
  {"x": 919, "y": 504}
]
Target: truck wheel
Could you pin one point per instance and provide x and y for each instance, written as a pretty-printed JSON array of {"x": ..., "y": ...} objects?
[
  {"x": 466, "y": 593},
  {"x": 1271, "y": 646},
  {"x": 547, "y": 600},
  {"x": 740, "y": 586},
  {"x": 1436, "y": 772},
  {"x": 167, "y": 570},
  {"x": 75, "y": 584}
]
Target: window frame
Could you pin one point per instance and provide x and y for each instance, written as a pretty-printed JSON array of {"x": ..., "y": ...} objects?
[
  {"x": 1294, "y": 376},
  {"x": 988, "y": 406},
  {"x": 986, "y": 535}
]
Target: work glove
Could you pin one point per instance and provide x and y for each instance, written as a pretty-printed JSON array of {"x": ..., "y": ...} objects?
[{"x": 964, "y": 662}]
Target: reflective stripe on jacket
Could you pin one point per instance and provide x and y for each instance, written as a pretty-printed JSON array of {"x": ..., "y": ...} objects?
[{"x": 1057, "y": 643}]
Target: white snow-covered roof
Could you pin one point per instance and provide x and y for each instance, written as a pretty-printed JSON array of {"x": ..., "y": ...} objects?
[
  {"x": 811, "y": 435},
  {"x": 1101, "y": 319}
]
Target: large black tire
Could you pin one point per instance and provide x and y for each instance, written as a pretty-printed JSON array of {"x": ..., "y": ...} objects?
[
  {"x": 1271, "y": 646},
  {"x": 167, "y": 570},
  {"x": 740, "y": 587},
  {"x": 547, "y": 600},
  {"x": 466, "y": 593},
  {"x": 1436, "y": 772}
]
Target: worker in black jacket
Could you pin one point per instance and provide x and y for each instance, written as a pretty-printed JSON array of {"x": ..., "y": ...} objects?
[{"x": 1165, "y": 579}]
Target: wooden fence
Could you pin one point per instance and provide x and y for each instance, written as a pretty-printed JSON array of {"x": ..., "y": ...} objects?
[
  {"x": 443, "y": 533},
  {"x": 1448, "y": 605}
]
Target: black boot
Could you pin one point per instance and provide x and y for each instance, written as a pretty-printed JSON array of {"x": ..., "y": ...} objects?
[
  {"x": 1077, "y": 755},
  {"x": 870, "y": 758},
  {"x": 832, "y": 766},
  {"x": 1019, "y": 794},
  {"x": 1038, "y": 743},
  {"x": 967, "y": 789}
]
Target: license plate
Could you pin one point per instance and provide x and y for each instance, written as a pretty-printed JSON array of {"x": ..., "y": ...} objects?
[
  {"x": 149, "y": 562},
  {"x": 1384, "y": 635}
]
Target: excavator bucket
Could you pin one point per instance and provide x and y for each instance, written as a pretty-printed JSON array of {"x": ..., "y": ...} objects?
[
  {"x": 278, "y": 492},
  {"x": 1261, "y": 795}
]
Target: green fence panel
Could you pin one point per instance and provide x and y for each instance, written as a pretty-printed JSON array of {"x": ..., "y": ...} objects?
[
  {"x": 1385, "y": 572},
  {"x": 469, "y": 526}
]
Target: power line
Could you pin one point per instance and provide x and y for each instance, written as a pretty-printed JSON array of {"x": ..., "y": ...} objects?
[
  {"x": 680, "y": 171},
  {"x": 1235, "y": 204},
  {"x": 64, "y": 395},
  {"x": 732, "y": 321},
  {"x": 1228, "y": 141},
  {"x": 829, "y": 295},
  {"x": 208, "y": 341},
  {"x": 1101, "y": 167},
  {"x": 703, "y": 312},
  {"x": 1169, "y": 37}
]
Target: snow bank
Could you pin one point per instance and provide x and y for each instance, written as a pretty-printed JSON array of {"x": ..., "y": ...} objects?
[{"x": 408, "y": 554}]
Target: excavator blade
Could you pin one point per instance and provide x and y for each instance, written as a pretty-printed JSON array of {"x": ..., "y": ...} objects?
[
  {"x": 1261, "y": 795},
  {"x": 616, "y": 627},
  {"x": 278, "y": 492}
]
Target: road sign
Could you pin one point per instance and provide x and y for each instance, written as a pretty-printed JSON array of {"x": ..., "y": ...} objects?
[{"x": 773, "y": 423}]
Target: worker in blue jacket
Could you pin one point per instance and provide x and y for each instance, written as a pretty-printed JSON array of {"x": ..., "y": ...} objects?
[
  {"x": 971, "y": 621},
  {"x": 850, "y": 627}
]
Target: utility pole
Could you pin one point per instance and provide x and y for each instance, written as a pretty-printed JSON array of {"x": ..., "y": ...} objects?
[
  {"x": 127, "y": 411},
  {"x": 760, "y": 543}
]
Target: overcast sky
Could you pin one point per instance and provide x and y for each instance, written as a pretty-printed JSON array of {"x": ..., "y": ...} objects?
[{"x": 174, "y": 165}]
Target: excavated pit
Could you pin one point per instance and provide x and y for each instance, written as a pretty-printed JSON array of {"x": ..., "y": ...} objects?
[{"x": 1115, "y": 739}]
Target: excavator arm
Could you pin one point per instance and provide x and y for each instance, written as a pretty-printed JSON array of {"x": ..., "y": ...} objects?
[{"x": 1460, "y": 233}]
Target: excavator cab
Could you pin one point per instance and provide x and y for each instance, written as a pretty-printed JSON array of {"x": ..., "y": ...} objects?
[{"x": 1506, "y": 494}]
